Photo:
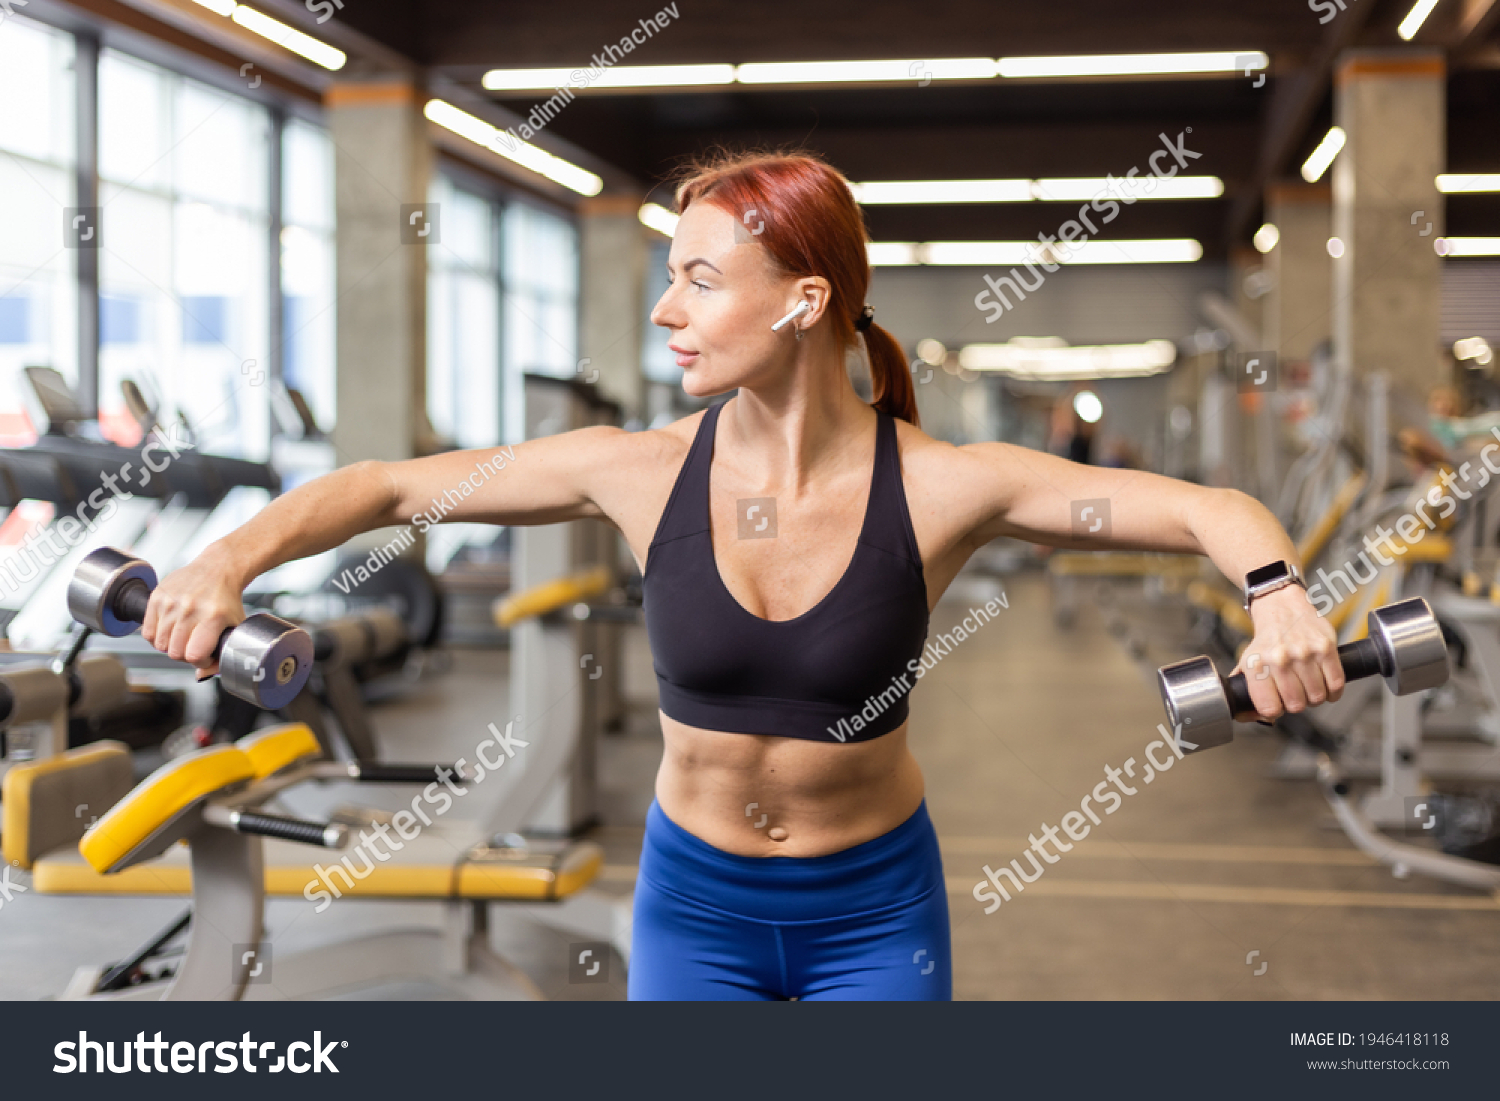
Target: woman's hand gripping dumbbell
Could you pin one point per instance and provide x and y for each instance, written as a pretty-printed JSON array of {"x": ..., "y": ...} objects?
[
  {"x": 1404, "y": 644},
  {"x": 264, "y": 659}
]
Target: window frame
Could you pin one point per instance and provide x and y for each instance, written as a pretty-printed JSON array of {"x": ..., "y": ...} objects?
[{"x": 501, "y": 196}]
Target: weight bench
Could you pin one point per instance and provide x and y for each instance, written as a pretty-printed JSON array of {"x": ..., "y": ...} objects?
[{"x": 196, "y": 826}]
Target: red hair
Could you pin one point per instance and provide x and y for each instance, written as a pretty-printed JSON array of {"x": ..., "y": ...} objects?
[{"x": 807, "y": 219}]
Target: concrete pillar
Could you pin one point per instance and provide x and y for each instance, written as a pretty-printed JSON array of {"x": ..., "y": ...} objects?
[
  {"x": 1219, "y": 432},
  {"x": 1298, "y": 313},
  {"x": 1254, "y": 461},
  {"x": 1387, "y": 213},
  {"x": 613, "y": 250},
  {"x": 1244, "y": 263},
  {"x": 383, "y": 164}
]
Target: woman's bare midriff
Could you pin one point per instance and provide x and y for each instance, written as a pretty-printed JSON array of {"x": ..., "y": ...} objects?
[{"x": 758, "y": 795}]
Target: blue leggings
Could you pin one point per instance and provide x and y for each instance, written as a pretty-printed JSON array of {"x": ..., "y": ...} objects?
[{"x": 870, "y": 922}]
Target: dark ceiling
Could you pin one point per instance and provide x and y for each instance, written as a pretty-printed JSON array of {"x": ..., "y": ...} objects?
[{"x": 1247, "y": 135}]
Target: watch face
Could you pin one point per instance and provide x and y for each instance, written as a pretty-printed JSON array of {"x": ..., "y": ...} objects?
[{"x": 1266, "y": 573}]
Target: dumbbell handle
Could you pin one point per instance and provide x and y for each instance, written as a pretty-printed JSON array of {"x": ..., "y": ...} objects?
[
  {"x": 130, "y": 605},
  {"x": 1358, "y": 659}
]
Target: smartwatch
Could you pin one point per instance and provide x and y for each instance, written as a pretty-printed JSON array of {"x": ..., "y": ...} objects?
[{"x": 1267, "y": 579}]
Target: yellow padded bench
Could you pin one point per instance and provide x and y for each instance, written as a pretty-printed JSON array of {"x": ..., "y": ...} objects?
[
  {"x": 442, "y": 862},
  {"x": 426, "y": 867},
  {"x": 550, "y": 595},
  {"x": 127, "y": 834},
  {"x": 274, "y": 748},
  {"x": 52, "y": 802}
]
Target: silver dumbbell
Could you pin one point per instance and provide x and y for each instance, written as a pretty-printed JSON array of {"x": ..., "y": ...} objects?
[
  {"x": 1404, "y": 644},
  {"x": 264, "y": 660}
]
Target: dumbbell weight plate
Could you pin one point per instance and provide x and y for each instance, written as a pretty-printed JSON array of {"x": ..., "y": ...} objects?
[
  {"x": 101, "y": 574},
  {"x": 1197, "y": 707},
  {"x": 266, "y": 660},
  {"x": 1413, "y": 653}
]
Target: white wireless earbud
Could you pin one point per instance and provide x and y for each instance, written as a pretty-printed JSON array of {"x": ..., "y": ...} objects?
[{"x": 802, "y": 308}]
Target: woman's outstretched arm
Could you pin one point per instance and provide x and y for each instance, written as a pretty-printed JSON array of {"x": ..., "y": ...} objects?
[
  {"x": 540, "y": 481},
  {"x": 1292, "y": 661}
]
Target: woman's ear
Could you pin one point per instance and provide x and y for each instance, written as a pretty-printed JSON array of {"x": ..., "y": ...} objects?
[{"x": 817, "y": 292}]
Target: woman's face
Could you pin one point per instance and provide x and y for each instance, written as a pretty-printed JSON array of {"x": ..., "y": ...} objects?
[{"x": 725, "y": 295}]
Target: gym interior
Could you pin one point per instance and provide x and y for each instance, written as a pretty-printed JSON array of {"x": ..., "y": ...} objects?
[{"x": 243, "y": 245}]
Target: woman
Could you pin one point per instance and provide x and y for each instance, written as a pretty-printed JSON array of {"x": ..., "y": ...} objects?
[{"x": 792, "y": 540}]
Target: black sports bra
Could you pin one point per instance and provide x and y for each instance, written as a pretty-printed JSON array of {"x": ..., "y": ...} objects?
[{"x": 840, "y": 672}]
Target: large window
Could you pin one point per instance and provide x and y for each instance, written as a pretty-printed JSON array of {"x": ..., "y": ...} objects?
[
  {"x": 502, "y": 300},
  {"x": 307, "y": 283},
  {"x": 182, "y": 275},
  {"x": 463, "y": 320},
  {"x": 540, "y": 273},
  {"x": 196, "y": 244},
  {"x": 38, "y": 296}
]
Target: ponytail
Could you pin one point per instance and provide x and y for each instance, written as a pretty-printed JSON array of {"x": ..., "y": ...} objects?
[{"x": 889, "y": 378}]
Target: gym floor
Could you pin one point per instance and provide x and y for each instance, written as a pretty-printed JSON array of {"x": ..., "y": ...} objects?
[{"x": 1212, "y": 882}]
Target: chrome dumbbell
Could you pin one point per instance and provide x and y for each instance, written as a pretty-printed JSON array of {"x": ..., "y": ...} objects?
[
  {"x": 1404, "y": 644},
  {"x": 264, "y": 660}
]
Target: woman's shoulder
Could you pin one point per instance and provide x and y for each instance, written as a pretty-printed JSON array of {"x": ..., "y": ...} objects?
[
  {"x": 922, "y": 454},
  {"x": 627, "y": 460},
  {"x": 957, "y": 477}
]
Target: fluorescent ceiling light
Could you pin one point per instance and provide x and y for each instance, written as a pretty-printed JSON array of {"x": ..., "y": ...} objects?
[
  {"x": 1182, "y": 250},
  {"x": 891, "y": 254},
  {"x": 921, "y": 70},
  {"x": 289, "y": 37},
  {"x": 1046, "y": 360},
  {"x": 1243, "y": 61},
  {"x": 1468, "y": 246},
  {"x": 1166, "y": 250},
  {"x": 1415, "y": 18},
  {"x": 916, "y": 192},
  {"x": 1315, "y": 165},
  {"x": 827, "y": 72},
  {"x": 523, "y": 153},
  {"x": 977, "y": 253},
  {"x": 1083, "y": 189},
  {"x": 1266, "y": 237},
  {"x": 657, "y": 217},
  {"x": 616, "y": 76},
  {"x": 1451, "y": 183},
  {"x": 278, "y": 32}
]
